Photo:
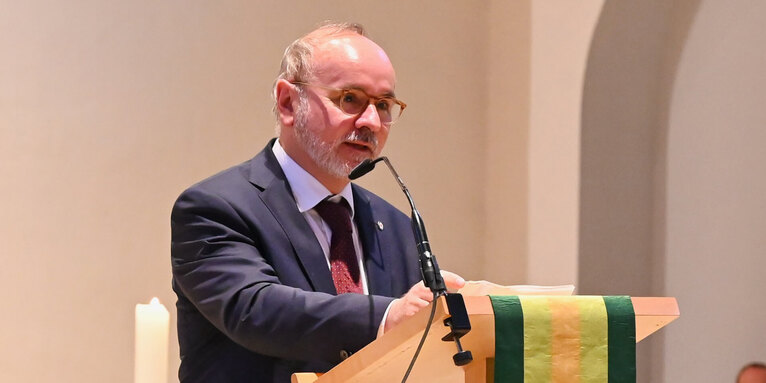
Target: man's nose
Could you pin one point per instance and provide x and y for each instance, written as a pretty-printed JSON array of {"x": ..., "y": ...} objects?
[{"x": 369, "y": 118}]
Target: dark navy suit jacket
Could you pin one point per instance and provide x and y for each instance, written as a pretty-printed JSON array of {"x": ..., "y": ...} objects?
[{"x": 256, "y": 301}]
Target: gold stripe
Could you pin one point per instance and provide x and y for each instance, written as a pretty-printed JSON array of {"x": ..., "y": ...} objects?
[{"x": 565, "y": 340}]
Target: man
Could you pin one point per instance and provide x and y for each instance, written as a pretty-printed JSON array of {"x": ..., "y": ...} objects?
[
  {"x": 268, "y": 278},
  {"x": 752, "y": 373}
]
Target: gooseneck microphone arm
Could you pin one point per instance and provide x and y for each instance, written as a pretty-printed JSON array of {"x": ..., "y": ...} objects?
[
  {"x": 428, "y": 266},
  {"x": 458, "y": 321}
]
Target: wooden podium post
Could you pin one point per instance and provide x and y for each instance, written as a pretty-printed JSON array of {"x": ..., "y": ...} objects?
[{"x": 386, "y": 359}]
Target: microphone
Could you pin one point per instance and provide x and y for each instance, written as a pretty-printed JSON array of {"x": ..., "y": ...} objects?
[
  {"x": 428, "y": 266},
  {"x": 458, "y": 321},
  {"x": 363, "y": 168}
]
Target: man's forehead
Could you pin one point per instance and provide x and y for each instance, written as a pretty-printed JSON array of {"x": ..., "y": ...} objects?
[
  {"x": 350, "y": 46},
  {"x": 347, "y": 58},
  {"x": 342, "y": 44}
]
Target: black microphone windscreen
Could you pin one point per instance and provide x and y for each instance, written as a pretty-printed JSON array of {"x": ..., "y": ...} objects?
[{"x": 363, "y": 168}]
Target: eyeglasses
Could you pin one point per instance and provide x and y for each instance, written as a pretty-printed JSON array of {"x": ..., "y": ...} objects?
[{"x": 355, "y": 101}]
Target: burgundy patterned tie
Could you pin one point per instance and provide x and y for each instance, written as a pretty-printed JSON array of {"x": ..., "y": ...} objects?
[{"x": 343, "y": 263}]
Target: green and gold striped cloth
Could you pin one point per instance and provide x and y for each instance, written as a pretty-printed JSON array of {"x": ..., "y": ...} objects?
[{"x": 572, "y": 339}]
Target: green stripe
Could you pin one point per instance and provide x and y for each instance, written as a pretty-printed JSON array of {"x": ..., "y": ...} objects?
[
  {"x": 622, "y": 339},
  {"x": 509, "y": 339},
  {"x": 593, "y": 340},
  {"x": 537, "y": 339}
]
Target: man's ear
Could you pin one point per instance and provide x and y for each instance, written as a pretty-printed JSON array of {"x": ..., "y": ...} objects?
[{"x": 286, "y": 96}]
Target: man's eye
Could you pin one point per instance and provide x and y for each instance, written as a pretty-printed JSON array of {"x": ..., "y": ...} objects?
[
  {"x": 351, "y": 98},
  {"x": 384, "y": 104}
]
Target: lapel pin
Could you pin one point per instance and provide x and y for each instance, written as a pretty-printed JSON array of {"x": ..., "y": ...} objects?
[{"x": 380, "y": 226}]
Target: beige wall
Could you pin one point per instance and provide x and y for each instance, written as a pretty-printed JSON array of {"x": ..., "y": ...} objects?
[
  {"x": 561, "y": 35},
  {"x": 506, "y": 183},
  {"x": 538, "y": 55},
  {"x": 673, "y": 177},
  {"x": 715, "y": 246},
  {"x": 537, "y": 149}
]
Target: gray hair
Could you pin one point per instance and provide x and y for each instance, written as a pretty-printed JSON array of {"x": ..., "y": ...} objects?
[{"x": 297, "y": 62}]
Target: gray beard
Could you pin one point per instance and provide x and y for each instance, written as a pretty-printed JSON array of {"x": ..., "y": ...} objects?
[{"x": 322, "y": 152}]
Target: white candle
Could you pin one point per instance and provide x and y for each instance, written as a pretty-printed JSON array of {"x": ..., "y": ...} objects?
[{"x": 151, "y": 354}]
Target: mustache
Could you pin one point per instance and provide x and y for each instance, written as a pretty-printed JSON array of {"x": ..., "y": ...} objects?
[{"x": 364, "y": 135}]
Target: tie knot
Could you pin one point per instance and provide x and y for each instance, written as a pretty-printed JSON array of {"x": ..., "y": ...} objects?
[{"x": 335, "y": 214}]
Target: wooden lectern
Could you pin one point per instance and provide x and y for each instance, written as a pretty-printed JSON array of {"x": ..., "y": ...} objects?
[{"x": 386, "y": 359}]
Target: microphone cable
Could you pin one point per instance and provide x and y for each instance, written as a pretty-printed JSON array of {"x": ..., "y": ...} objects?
[{"x": 422, "y": 339}]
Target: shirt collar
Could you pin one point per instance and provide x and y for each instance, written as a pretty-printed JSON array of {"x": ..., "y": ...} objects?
[{"x": 306, "y": 189}]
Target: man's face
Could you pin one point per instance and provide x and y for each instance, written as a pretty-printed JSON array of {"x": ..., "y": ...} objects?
[{"x": 335, "y": 141}]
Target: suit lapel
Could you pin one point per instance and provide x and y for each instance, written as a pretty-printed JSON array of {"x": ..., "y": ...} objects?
[
  {"x": 277, "y": 196},
  {"x": 378, "y": 281}
]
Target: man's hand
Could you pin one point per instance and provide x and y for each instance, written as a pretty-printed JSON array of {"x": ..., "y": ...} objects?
[{"x": 417, "y": 298}]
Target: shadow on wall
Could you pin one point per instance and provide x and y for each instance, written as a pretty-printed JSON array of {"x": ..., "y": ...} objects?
[{"x": 632, "y": 64}]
